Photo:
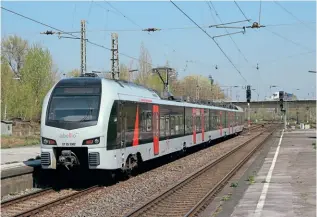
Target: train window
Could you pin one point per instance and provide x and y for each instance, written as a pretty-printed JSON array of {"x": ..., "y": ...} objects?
[
  {"x": 167, "y": 125},
  {"x": 173, "y": 125},
  {"x": 162, "y": 126},
  {"x": 223, "y": 119},
  {"x": 181, "y": 124},
  {"x": 213, "y": 120},
  {"x": 198, "y": 124},
  {"x": 188, "y": 121},
  {"x": 148, "y": 122},
  {"x": 206, "y": 115}
]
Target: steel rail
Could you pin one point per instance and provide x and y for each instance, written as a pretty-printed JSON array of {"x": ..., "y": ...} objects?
[
  {"x": 207, "y": 198},
  {"x": 189, "y": 178},
  {"x": 25, "y": 197},
  {"x": 37, "y": 209},
  {"x": 57, "y": 201}
]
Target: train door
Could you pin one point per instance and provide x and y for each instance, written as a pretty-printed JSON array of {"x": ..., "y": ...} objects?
[
  {"x": 156, "y": 129},
  {"x": 122, "y": 130}
]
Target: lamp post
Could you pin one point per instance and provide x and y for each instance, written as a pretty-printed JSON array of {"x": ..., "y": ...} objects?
[{"x": 211, "y": 83}]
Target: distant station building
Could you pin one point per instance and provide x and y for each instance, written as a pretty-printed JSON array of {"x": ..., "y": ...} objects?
[
  {"x": 275, "y": 96},
  {"x": 6, "y": 128}
]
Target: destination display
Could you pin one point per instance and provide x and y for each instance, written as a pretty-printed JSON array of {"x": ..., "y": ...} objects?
[{"x": 77, "y": 90}]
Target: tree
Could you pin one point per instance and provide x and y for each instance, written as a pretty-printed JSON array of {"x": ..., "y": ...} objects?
[
  {"x": 74, "y": 73},
  {"x": 124, "y": 72},
  {"x": 191, "y": 85},
  {"x": 145, "y": 66},
  {"x": 37, "y": 78},
  {"x": 14, "y": 49},
  {"x": 6, "y": 87}
]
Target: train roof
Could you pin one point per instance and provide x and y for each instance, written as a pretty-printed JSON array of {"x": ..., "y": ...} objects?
[{"x": 132, "y": 90}]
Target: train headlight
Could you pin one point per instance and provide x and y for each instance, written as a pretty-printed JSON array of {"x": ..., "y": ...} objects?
[
  {"x": 93, "y": 141},
  {"x": 47, "y": 141}
]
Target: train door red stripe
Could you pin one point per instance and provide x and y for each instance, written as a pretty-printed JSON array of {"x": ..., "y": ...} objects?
[
  {"x": 220, "y": 115},
  {"x": 136, "y": 128},
  {"x": 202, "y": 123},
  {"x": 229, "y": 118},
  {"x": 194, "y": 125},
  {"x": 156, "y": 129}
]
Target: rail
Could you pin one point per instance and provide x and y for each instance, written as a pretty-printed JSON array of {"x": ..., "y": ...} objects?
[
  {"x": 189, "y": 196},
  {"x": 26, "y": 202}
]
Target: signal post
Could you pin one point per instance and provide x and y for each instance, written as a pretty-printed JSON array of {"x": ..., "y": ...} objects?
[{"x": 248, "y": 93}]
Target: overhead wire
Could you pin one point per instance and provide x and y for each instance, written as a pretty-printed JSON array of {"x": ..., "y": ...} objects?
[
  {"x": 260, "y": 77},
  {"x": 141, "y": 28},
  {"x": 290, "y": 13},
  {"x": 260, "y": 12},
  {"x": 175, "y": 28},
  {"x": 73, "y": 36},
  {"x": 237, "y": 47},
  {"x": 289, "y": 40},
  {"x": 212, "y": 39},
  {"x": 241, "y": 10}
]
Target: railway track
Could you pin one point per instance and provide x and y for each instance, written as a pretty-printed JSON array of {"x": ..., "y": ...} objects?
[
  {"x": 191, "y": 195},
  {"x": 30, "y": 204}
]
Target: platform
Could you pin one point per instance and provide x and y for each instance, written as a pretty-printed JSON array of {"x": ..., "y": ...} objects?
[
  {"x": 17, "y": 172},
  {"x": 286, "y": 183},
  {"x": 20, "y": 154}
]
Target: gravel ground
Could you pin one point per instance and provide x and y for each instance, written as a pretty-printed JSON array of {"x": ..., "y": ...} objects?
[
  {"x": 125, "y": 196},
  {"x": 18, "y": 194}
]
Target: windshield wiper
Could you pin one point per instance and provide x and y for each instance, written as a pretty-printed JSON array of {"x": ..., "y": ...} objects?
[{"x": 87, "y": 115}]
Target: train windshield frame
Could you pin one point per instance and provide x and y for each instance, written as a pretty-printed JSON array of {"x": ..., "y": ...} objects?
[{"x": 74, "y": 107}]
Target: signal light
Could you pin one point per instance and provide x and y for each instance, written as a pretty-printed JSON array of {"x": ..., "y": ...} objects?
[{"x": 248, "y": 92}]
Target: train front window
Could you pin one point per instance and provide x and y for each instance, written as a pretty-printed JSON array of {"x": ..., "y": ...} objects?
[{"x": 72, "y": 108}]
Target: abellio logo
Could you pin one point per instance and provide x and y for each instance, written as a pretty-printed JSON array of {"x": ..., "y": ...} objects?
[{"x": 68, "y": 136}]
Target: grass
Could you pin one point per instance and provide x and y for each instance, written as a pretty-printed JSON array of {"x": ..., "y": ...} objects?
[
  {"x": 226, "y": 197},
  {"x": 19, "y": 141},
  {"x": 218, "y": 210},
  {"x": 251, "y": 180},
  {"x": 234, "y": 184},
  {"x": 314, "y": 145}
]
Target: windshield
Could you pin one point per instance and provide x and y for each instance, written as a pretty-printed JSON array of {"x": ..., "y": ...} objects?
[{"x": 74, "y": 108}]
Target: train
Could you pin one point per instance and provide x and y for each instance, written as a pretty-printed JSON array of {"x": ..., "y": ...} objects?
[{"x": 96, "y": 123}]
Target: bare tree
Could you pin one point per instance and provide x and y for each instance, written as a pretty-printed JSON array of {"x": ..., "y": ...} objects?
[
  {"x": 14, "y": 49},
  {"x": 145, "y": 65}
]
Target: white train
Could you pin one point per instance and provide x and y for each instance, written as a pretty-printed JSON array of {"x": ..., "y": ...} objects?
[{"x": 98, "y": 123}]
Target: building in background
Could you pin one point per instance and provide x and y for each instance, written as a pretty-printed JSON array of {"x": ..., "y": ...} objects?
[{"x": 287, "y": 96}]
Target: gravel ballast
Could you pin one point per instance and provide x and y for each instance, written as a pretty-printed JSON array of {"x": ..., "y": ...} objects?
[
  {"x": 18, "y": 194},
  {"x": 123, "y": 197}
]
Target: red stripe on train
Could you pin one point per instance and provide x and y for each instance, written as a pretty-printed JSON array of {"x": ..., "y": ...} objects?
[
  {"x": 156, "y": 129},
  {"x": 202, "y": 123},
  {"x": 194, "y": 125},
  {"x": 136, "y": 128}
]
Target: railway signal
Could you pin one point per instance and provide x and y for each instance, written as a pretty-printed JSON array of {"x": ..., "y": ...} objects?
[
  {"x": 281, "y": 97},
  {"x": 248, "y": 91}
]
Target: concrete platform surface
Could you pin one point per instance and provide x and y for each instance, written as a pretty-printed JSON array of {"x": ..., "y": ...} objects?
[
  {"x": 16, "y": 155},
  {"x": 286, "y": 183}
]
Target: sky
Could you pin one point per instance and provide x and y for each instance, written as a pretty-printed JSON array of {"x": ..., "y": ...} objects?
[{"x": 284, "y": 50}]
